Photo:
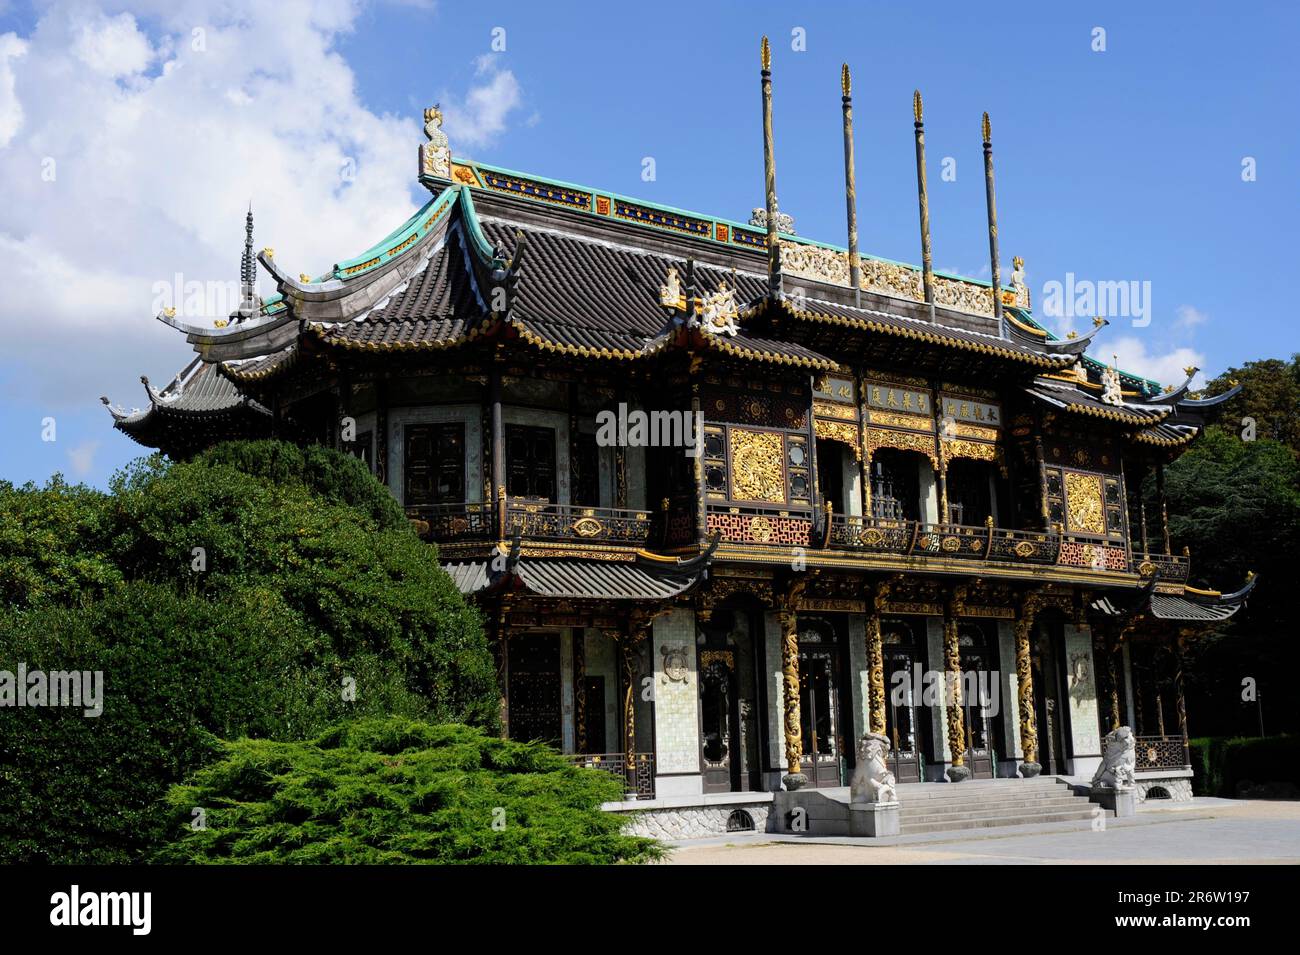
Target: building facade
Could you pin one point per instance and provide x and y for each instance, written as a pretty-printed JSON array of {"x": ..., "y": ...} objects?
[{"x": 730, "y": 498}]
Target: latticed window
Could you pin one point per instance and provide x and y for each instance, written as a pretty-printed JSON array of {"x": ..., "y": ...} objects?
[
  {"x": 530, "y": 462},
  {"x": 434, "y": 465}
]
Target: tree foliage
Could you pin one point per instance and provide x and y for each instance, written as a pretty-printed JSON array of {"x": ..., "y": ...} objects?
[
  {"x": 312, "y": 601},
  {"x": 397, "y": 791}
]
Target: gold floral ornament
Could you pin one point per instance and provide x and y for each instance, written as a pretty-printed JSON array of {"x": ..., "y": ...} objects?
[
  {"x": 757, "y": 472},
  {"x": 1086, "y": 511}
]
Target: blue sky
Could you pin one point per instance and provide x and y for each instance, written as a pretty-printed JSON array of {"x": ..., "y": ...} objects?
[{"x": 1118, "y": 165}]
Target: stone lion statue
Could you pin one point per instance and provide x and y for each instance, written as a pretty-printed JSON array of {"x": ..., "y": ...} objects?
[
  {"x": 872, "y": 781},
  {"x": 1118, "y": 761}
]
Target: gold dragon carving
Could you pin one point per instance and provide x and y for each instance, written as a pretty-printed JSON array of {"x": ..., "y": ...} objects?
[{"x": 757, "y": 466}]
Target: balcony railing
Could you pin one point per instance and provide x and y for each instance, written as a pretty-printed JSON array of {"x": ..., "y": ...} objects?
[
  {"x": 545, "y": 521},
  {"x": 1173, "y": 570},
  {"x": 534, "y": 520},
  {"x": 1162, "y": 752},
  {"x": 638, "y": 776}
]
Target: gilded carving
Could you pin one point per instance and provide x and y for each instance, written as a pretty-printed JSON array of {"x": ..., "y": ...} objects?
[
  {"x": 1086, "y": 511},
  {"x": 915, "y": 422},
  {"x": 839, "y": 431},
  {"x": 757, "y": 466},
  {"x": 902, "y": 441}
]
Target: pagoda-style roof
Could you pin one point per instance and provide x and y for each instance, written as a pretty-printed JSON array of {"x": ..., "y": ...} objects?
[
  {"x": 573, "y": 579},
  {"x": 1191, "y": 606},
  {"x": 536, "y": 264},
  {"x": 199, "y": 407}
]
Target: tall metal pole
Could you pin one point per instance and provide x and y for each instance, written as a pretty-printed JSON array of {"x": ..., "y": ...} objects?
[
  {"x": 850, "y": 184},
  {"x": 991, "y": 201},
  {"x": 769, "y": 173},
  {"x": 927, "y": 261}
]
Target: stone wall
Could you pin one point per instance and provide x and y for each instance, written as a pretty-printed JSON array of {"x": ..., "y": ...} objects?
[
  {"x": 694, "y": 822},
  {"x": 1178, "y": 787}
]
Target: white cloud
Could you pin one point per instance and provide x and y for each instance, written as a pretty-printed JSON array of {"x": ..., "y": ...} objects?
[
  {"x": 11, "y": 110},
  {"x": 1189, "y": 316},
  {"x": 153, "y": 139},
  {"x": 482, "y": 116},
  {"x": 113, "y": 47},
  {"x": 82, "y": 458},
  {"x": 1164, "y": 367}
]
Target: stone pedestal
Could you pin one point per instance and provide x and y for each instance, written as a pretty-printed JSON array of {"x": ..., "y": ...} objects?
[
  {"x": 1029, "y": 770},
  {"x": 1122, "y": 802},
  {"x": 957, "y": 774},
  {"x": 794, "y": 781},
  {"x": 874, "y": 819}
]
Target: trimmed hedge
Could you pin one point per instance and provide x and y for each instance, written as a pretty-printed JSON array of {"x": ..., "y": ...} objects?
[
  {"x": 312, "y": 577},
  {"x": 1221, "y": 763},
  {"x": 398, "y": 791}
]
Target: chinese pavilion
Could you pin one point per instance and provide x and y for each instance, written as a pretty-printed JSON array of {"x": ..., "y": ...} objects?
[{"x": 886, "y": 472}]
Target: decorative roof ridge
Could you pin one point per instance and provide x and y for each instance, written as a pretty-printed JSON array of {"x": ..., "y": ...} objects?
[
  {"x": 921, "y": 322},
  {"x": 731, "y": 224}
]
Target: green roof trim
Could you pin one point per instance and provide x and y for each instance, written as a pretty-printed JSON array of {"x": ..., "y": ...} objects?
[
  {"x": 731, "y": 224},
  {"x": 408, "y": 230}
]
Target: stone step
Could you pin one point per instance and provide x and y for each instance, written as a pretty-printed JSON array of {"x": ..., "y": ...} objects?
[
  {"x": 914, "y": 791},
  {"x": 1065, "y": 815},
  {"x": 1056, "y": 805},
  {"x": 976, "y": 805},
  {"x": 933, "y": 805}
]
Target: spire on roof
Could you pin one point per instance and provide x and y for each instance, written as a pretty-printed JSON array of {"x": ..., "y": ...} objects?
[{"x": 249, "y": 303}]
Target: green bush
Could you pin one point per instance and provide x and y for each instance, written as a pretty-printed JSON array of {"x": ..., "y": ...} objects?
[
  {"x": 1221, "y": 763},
  {"x": 397, "y": 791},
  {"x": 310, "y": 577}
]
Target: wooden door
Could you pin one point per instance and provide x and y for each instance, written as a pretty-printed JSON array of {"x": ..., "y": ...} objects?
[{"x": 534, "y": 687}]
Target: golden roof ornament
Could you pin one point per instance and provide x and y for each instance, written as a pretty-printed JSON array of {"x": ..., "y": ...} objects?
[
  {"x": 917, "y": 108},
  {"x": 435, "y": 155},
  {"x": 719, "y": 311},
  {"x": 1098, "y": 321},
  {"x": 304, "y": 278},
  {"x": 1190, "y": 370},
  {"x": 846, "y": 84},
  {"x": 269, "y": 252},
  {"x": 670, "y": 293},
  {"x": 984, "y": 127},
  {"x": 765, "y": 54}
]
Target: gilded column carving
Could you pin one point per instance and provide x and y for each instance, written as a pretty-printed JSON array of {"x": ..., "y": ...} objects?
[
  {"x": 1180, "y": 699},
  {"x": 787, "y": 615},
  {"x": 876, "y": 660},
  {"x": 580, "y": 689},
  {"x": 952, "y": 666},
  {"x": 1025, "y": 686}
]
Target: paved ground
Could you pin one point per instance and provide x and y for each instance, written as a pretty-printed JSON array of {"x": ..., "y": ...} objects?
[{"x": 1209, "y": 831}]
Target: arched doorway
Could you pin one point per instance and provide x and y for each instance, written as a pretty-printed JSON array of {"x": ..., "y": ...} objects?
[
  {"x": 979, "y": 669},
  {"x": 905, "y": 711},
  {"x": 820, "y": 709}
]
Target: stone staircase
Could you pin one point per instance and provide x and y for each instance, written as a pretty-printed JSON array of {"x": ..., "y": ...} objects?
[{"x": 986, "y": 803}]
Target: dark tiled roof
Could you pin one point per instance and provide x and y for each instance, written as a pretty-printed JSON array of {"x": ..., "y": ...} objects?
[
  {"x": 874, "y": 320},
  {"x": 438, "y": 306},
  {"x": 576, "y": 579},
  {"x": 1067, "y": 397},
  {"x": 1167, "y": 435}
]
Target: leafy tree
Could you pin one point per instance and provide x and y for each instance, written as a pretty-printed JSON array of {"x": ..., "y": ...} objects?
[
  {"x": 398, "y": 791},
  {"x": 1270, "y": 395},
  {"x": 1236, "y": 505},
  {"x": 310, "y": 583}
]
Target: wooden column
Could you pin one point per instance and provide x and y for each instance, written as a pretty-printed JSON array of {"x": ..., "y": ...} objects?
[
  {"x": 1024, "y": 626},
  {"x": 794, "y": 777},
  {"x": 498, "y": 439},
  {"x": 580, "y": 689},
  {"x": 1104, "y": 646},
  {"x": 876, "y": 660},
  {"x": 957, "y": 771},
  {"x": 850, "y": 184},
  {"x": 381, "y": 432},
  {"x": 1180, "y": 699}
]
